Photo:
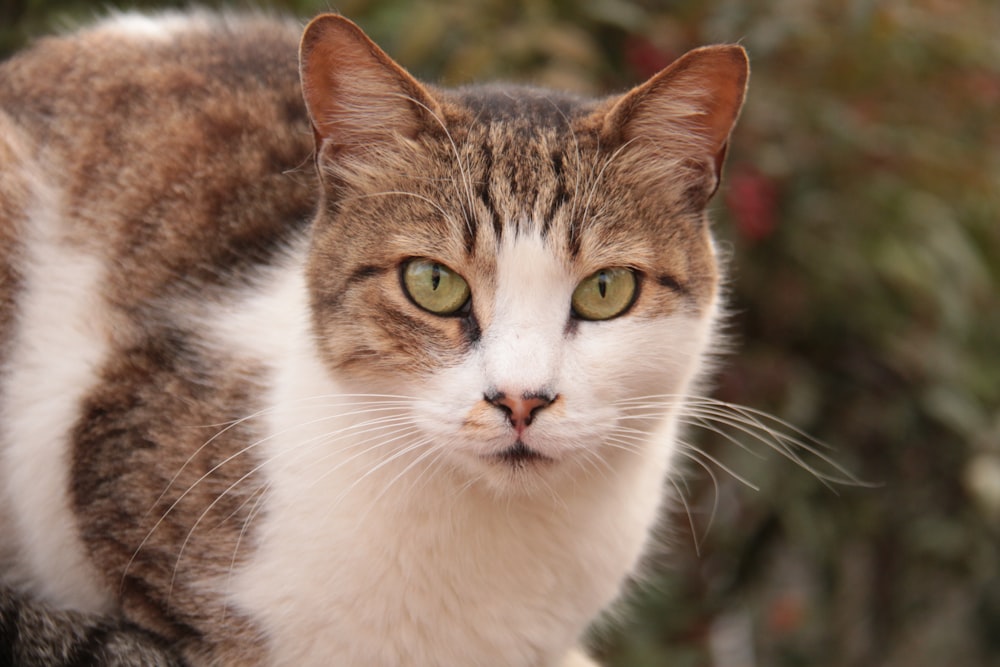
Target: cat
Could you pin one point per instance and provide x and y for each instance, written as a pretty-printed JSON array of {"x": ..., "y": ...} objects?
[{"x": 305, "y": 362}]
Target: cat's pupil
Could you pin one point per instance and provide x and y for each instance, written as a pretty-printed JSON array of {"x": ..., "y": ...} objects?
[
  {"x": 602, "y": 283},
  {"x": 435, "y": 276}
]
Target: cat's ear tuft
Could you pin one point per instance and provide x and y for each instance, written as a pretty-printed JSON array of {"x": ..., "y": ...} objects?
[
  {"x": 688, "y": 110},
  {"x": 356, "y": 95}
]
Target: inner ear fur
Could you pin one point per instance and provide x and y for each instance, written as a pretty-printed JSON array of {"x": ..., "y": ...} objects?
[
  {"x": 687, "y": 111},
  {"x": 356, "y": 95}
]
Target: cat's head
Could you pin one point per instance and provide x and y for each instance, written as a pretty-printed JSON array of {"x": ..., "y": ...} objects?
[{"x": 527, "y": 265}]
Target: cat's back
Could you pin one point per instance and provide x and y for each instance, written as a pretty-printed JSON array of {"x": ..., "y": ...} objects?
[
  {"x": 146, "y": 163},
  {"x": 132, "y": 73},
  {"x": 163, "y": 145}
]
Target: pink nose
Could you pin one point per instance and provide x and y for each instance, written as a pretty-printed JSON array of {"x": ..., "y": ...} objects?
[{"x": 521, "y": 410}]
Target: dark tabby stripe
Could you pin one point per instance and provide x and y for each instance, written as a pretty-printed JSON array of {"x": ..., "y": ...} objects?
[{"x": 33, "y": 636}]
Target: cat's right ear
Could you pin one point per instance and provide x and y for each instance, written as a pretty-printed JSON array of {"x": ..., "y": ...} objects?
[
  {"x": 357, "y": 97},
  {"x": 686, "y": 112}
]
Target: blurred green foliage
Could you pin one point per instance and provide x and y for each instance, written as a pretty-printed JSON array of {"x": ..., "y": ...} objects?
[{"x": 861, "y": 218}]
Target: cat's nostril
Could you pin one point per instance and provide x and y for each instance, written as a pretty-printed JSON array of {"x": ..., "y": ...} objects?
[{"x": 520, "y": 410}]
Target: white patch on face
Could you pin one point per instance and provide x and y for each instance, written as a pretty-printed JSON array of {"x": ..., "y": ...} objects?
[
  {"x": 531, "y": 307},
  {"x": 57, "y": 349},
  {"x": 529, "y": 348}
]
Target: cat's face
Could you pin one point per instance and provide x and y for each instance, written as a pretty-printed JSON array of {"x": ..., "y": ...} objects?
[{"x": 525, "y": 266}]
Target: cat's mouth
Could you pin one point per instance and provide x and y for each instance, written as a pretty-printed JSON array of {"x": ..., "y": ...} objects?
[{"x": 520, "y": 455}]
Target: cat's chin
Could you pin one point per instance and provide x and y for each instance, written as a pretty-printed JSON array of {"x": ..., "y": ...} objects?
[
  {"x": 519, "y": 469},
  {"x": 520, "y": 455}
]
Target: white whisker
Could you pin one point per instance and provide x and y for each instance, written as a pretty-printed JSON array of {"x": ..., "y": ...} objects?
[
  {"x": 690, "y": 517},
  {"x": 301, "y": 403},
  {"x": 323, "y": 439},
  {"x": 393, "y": 404},
  {"x": 600, "y": 175},
  {"x": 384, "y": 462},
  {"x": 409, "y": 466},
  {"x": 462, "y": 167},
  {"x": 403, "y": 193},
  {"x": 380, "y": 442},
  {"x": 725, "y": 418},
  {"x": 214, "y": 469},
  {"x": 594, "y": 461},
  {"x": 258, "y": 496},
  {"x": 439, "y": 453}
]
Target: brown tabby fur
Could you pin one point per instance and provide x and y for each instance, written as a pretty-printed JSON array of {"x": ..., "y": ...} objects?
[
  {"x": 189, "y": 172},
  {"x": 211, "y": 138}
]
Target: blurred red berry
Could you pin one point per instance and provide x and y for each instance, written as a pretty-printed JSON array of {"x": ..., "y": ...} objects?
[
  {"x": 645, "y": 57},
  {"x": 753, "y": 199},
  {"x": 786, "y": 615}
]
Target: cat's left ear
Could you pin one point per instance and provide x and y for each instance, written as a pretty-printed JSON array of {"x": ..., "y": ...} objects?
[
  {"x": 687, "y": 111},
  {"x": 358, "y": 98}
]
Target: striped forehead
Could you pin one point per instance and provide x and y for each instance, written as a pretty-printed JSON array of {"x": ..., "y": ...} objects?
[
  {"x": 522, "y": 106},
  {"x": 522, "y": 183}
]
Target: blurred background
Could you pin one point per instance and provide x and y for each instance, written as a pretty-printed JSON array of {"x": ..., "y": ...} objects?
[{"x": 861, "y": 219}]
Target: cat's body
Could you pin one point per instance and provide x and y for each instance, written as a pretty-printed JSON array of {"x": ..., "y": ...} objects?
[{"x": 248, "y": 433}]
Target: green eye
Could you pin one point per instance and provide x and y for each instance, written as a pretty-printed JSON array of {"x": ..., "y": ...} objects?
[
  {"x": 605, "y": 294},
  {"x": 435, "y": 287}
]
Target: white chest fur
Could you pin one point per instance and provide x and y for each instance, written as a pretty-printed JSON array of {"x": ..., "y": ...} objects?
[
  {"x": 425, "y": 570},
  {"x": 363, "y": 557}
]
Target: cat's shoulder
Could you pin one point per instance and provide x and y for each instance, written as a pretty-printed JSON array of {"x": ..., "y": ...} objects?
[
  {"x": 164, "y": 141},
  {"x": 164, "y": 48}
]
